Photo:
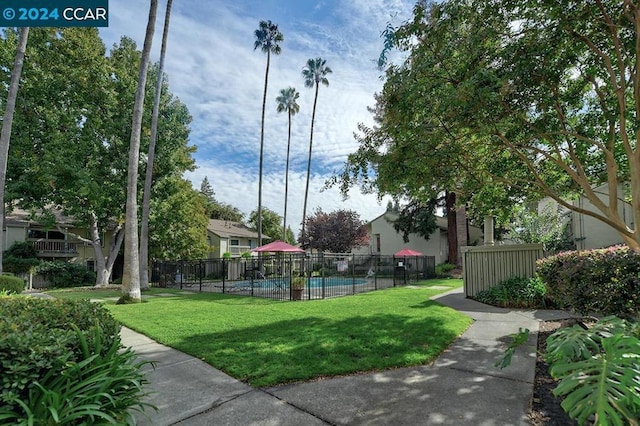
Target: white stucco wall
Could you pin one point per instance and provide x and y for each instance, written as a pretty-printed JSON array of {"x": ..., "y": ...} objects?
[{"x": 593, "y": 233}]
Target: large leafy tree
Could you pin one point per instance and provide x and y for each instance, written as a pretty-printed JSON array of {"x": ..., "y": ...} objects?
[
  {"x": 69, "y": 152},
  {"x": 546, "y": 226},
  {"x": 59, "y": 158},
  {"x": 268, "y": 39},
  {"x": 314, "y": 73},
  {"x": 131, "y": 271},
  {"x": 146, "y": 197},
  {"x": 287, "y": 101},
  {"x": 178, "y": 221},
  {"x": 550, "y": 89},
  {"x": 337, "y": 232},
  {"x": 270, "y": 223},
  {"x": 7, "y": 121}
]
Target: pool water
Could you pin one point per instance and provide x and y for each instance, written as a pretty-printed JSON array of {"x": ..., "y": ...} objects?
[{"x": 334, "y": 281}]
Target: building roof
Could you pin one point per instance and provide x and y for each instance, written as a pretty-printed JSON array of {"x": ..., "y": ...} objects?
[
  {"x": 227, "y": 229},
  {"x": 20, "y": 217}
]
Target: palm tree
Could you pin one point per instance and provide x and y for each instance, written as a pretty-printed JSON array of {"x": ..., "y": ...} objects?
[
  {"x": 131, "y": 270},
  {"x": 267, "y": 39},
  {"x": 146, "y": 197},
  {"x": 287, "y": 102},
  {"x": 7, "y": 121},
  {"x": 314, "y": 73}
]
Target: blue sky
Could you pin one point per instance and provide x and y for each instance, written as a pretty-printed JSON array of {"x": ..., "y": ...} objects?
[{"x": 214, "y": 70}]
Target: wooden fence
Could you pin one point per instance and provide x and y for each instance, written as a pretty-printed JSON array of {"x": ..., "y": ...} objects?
[{"x": 485, "y": 266}]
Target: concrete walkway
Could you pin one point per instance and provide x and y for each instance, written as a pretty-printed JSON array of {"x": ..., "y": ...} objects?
[{"x": 462, "y": 387}]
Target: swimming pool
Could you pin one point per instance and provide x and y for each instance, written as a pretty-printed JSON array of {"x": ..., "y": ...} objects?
[
  {"x": 334, "y": 281},
  {"x": 313, "y": 282}
]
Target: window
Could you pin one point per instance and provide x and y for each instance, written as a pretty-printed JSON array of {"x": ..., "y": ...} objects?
[
  {"x": 91, "y": 265},
  {"x": 234, "y": 242},
  {"x": 378, "y": 243},
  {"x": 55, "y": 235},
  {"x": 36, "y": 234}
]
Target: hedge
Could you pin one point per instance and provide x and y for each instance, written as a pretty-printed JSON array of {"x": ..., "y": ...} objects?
[
  {"x": 602, "y": 281},
  {"x": 11, "y": 284},
  {"x": 37, "y": 337},
  {"x": 65, "y": 274}
]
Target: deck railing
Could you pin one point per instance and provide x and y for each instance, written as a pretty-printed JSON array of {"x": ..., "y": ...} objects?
[{"x": 55, "y": 246}]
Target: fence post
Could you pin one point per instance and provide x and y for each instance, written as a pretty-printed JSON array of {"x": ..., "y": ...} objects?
[
  {"x": 376, "y": 269},
  {"x": 353, "y": 274},
  {"x": 181, "y": 273},
  {"x": 200, "y": 273}
]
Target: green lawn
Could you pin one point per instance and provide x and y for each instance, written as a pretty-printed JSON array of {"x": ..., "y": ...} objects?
[{"x": 266, "y": 342}]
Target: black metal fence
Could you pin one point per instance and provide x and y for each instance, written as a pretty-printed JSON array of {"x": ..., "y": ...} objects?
[{"x": 272, "y": 276}]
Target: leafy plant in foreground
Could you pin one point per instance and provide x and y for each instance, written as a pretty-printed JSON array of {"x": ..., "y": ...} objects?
[
  {"x": 97, "y": 389},
  {"x": 598, "y": 369}
]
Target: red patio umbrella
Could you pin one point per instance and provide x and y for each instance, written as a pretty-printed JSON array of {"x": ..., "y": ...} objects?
[
  {"x": 278, "y": 246},
  {"x": 407, "y": 252}
]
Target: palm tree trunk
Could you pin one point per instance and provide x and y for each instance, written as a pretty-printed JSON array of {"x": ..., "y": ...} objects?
[
  {"x": 146, "y": 197},
  {"x": 7, "y": 122},
  {"x": 264, "y": 106},
  {"x": 286, "y": 183},
  {"x": 131, "y": 272},
  {"x": 306, "y": 191}
]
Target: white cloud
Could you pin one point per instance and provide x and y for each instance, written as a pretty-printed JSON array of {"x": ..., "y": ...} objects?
[{"x": 214, "y": 70}]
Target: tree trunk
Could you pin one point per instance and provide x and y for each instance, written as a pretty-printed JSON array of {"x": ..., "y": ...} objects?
[
  {"x": 7, "y": 122},
  {"x": 131, "y": 273},
  {"x": 306, "y": 191},
  {"x": 463, "y": 231},
  {"x": 146, "y": 198},
  {"x": 101, "y": 278},
  {"x": 452, "y": 227},
  {"x": 286, "y": 183},
  {"x": 114, "y": 249},
  {"x": 264, "y": 106}
]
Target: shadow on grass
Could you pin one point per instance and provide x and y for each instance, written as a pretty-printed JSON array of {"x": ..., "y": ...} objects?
[{"x": 303, "y": 349}]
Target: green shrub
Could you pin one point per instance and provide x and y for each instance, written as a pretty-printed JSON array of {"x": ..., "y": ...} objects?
[
  {"x": 11, "y": 284},
  {"x": 37, "y": 337},
  {"x": 24, "y": 250},
  {"x": 20, "y": 258},
  {"x": 515, "y": 292},
  {"x": 98, "y": 387},
  {"x": 64, "y": 274},
  {"x": 603, "y": 281},
  {"x": 443, "y": 269}
]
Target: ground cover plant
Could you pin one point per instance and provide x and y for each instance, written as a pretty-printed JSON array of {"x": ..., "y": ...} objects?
[
  {"x": 515, "y": 292},
  {"x": 265, "y": 342}
]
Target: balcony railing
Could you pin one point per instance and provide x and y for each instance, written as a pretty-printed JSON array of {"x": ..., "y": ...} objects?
[
  {"x": 238, "y": 250},
  {"x": 55, "y": 247}
]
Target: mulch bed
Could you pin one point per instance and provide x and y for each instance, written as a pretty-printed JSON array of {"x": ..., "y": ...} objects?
[{"x": 545, "y": 407}]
